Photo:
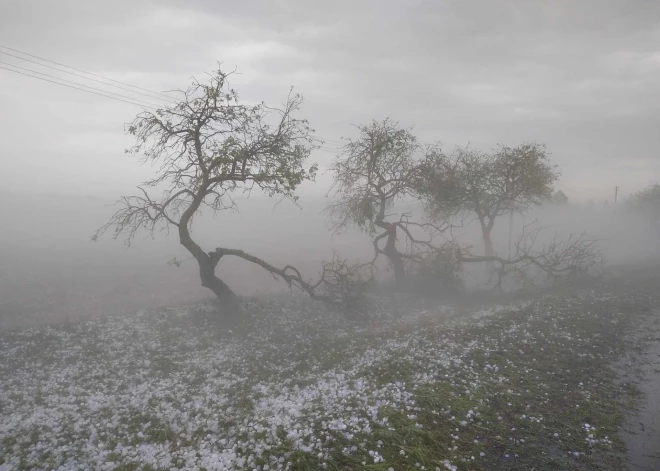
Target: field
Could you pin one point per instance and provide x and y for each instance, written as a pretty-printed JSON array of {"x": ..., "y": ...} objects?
[{"x": 292, "y": 385}]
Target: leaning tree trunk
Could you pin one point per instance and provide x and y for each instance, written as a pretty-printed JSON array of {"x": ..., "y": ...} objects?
[
  {"x": 206, "y": 262},
  {"x": 212, "y": 282},
  {"x": 226, "y": 297}
]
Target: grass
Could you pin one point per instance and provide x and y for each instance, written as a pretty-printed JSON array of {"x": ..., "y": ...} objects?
[{"x": 294, "y": 386}]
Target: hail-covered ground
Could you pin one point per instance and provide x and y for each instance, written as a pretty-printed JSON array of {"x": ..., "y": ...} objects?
[{"x": 293, "y": 385}]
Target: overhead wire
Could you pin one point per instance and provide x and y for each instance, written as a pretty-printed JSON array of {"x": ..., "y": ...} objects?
[
  {"x": 329, "y": 151},
  {"x": 150, "y": 95},
  {"x": 111, "y": 95},
  {"x": 81, "y": 89},
  {"x": 338, "y": 149},
  {"x": 331, "y": 141},
  {"x": 81, "y": 85},
  {"x": 108, "y": 94}
]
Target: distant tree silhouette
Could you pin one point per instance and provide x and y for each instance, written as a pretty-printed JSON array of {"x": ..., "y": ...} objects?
[
  {"x": 560, "y": 198},
  {"x": 488, "y": 185},
  {"x": 645, "y": 204}
]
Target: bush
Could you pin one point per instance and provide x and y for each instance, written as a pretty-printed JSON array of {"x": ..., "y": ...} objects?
[{"x": 437, "y": 274}]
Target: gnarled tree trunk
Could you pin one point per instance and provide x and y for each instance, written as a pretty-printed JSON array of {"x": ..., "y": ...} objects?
[
  {"x": 489, "y": 251},
  {"x": 486, "y": 229},
  {"x": 224, "y": 294},
  {"x": 488, "y": 245},
  {"x": 206, "y": 262},
  {"x": 212, "y": 282},
  {"x": 395, "y": 259},
  {"x": 390, "y": 250}
]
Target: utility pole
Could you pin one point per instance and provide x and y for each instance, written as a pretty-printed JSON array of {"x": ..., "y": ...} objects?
[
  {"x": 510, "y": 227},
  {"x": 616, "y": 193}
]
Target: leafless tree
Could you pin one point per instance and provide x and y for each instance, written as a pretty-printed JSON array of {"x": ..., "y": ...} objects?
[
  {"x": 344, "y": 285},
  {"x": 532, "y": 260},
  {"x": 373, "y": 172},
  {"x": 487, "y": 185},
  {"x": 206, "y": 148}
]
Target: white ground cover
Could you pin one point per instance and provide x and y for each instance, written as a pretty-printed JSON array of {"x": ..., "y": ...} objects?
[{"x": 292, "y": 383}]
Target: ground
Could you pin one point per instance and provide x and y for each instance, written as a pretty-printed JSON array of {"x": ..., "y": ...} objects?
[
  {"x": 641, "y": 366},
  {"x": 293, "y": 385}
]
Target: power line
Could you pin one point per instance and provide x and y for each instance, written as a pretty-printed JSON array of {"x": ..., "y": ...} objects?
[
  {"x": 89, "y": 73},
  {"x": 326, "y": 150},
  {"x": 127, "y": 100},
  {"x": 325, "y": 143},
  {"x": 106, "y": 94},
  {"x": 331, "y": 141},
  {"x": 81, "y": 89},
  {"x": 81, "y": 85},
  {"x": 170, "y": 99}
]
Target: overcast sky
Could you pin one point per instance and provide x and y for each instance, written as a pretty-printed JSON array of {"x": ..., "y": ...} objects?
[{"x": 581, "y": 76}]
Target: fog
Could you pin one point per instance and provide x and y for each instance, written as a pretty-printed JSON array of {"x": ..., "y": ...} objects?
[
  {"x": 51, "y": 271},
  {"x": 581, "y": 79},
  {"x": 113, "y": 357}
]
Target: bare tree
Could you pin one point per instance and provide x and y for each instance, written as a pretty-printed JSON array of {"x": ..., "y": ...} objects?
[
  {"x": 375, "y": 170},
  {"x": 487, "y": 185},
  {"x": 343, "y": 284},
  {"x": 206, "y": 148},
  {"x": 530, "y": 259}
]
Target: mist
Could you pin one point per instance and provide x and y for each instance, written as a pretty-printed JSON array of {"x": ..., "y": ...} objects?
[
  {"x": 51, "y": 271},
  {"x": 307, "y": 236}
]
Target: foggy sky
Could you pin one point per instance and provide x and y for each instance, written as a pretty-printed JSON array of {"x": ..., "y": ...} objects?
[{"x": 583, "y": 77}]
